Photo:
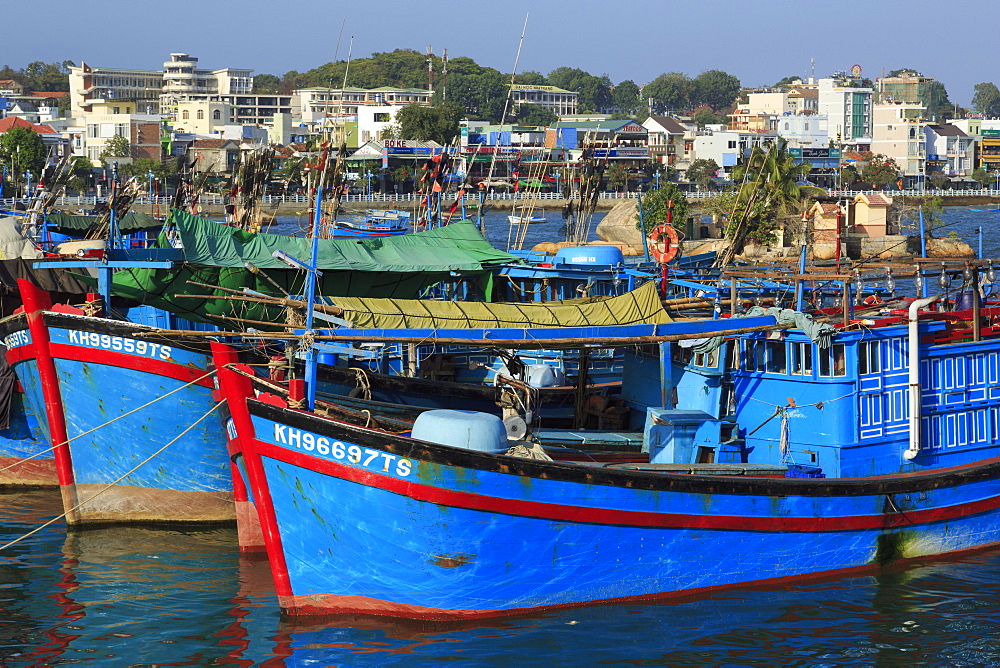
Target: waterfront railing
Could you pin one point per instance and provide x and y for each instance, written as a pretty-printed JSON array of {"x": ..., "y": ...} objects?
[{"x": 86, "y": 201}]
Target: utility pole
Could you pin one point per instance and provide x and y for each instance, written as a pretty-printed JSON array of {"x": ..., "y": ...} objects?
[{"x": 430, "y": 70}]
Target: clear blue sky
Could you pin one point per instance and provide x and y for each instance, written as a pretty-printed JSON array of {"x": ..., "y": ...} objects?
[{"x": 759, "y": 41}]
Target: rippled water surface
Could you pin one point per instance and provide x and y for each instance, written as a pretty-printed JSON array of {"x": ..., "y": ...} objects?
[{"x": 135, "y": 596}]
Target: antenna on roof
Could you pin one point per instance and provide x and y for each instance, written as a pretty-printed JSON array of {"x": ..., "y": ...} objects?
[{"x": 812, "y": 68}]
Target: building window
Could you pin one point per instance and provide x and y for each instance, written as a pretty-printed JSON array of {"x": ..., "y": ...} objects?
[
  {"x": 216, "y": 115},
  {"x": 201, "y": 114},
  {"x": 116, "y": 110},
  {"x": 185, "y": 115}
]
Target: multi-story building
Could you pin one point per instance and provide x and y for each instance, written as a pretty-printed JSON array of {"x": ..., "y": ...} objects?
[
  {"x": 897, "y": 132},
  {"x": 667, "y": 139},
  {"x": 950, "y": 151},
  {"x": 989, "y": 153},
  {"x": 726, "y": 147},
  {"x": 558, "y": 101},
  {"x": 848, "y": 111},
  {"x": 141, "y": 130},
  {"x": 131, "y": 91},
  {"x": 320, "y": 102}
]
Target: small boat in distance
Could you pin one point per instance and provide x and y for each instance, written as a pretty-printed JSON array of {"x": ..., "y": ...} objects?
[
  {"x": 527, "y": 218},
  {"x": 374, "y": 223}
]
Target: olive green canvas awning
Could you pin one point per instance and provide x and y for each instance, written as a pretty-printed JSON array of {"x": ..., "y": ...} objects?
[{"x": 640, "y": 306}]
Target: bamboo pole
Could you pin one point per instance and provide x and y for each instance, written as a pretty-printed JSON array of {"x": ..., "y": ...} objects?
[{"x": 524, "y": 344}]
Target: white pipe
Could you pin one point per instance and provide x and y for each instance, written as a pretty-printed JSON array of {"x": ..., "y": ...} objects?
[{"x": 914, "y": 375}]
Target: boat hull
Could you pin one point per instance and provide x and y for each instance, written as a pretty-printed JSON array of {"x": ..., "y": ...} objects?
[
  {"x": 121, "y": 466},
  {"x": 25, "y": 459},
  {"x": 368, "y": 522}
]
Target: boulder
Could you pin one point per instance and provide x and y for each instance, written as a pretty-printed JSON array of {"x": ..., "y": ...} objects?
[
  {"x": 949, "y": 247},
  {"x": 619, "y": 225}
]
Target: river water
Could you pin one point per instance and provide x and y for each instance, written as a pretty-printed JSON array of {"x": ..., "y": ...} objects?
[{"x": 142, "y": 597}]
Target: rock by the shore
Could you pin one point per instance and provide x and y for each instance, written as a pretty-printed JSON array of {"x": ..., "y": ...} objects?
[
  {"x": 949, "y": 247},
  {"x": 619, "y": 225}
]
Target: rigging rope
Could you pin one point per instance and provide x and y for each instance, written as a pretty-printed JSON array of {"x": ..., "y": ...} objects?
[{"x": 114, "y": 482}]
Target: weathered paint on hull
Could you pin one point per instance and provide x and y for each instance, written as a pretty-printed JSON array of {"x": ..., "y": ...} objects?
[
  {"x": 454, "y": 534},
  {"x": 118, "y": 504},
  {"x": 153, "y": 471},
  {"x": 23, "y": 460}
]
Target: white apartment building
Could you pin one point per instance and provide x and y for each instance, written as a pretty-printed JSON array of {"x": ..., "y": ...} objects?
[
  {"x": 849, "y": 111},
  {"x": 810, "y": 131},
  {"x": 897, "y": 132},
  {"x": 315, "y": 104},
  {"x": 726, "y": 147},
  {"x": 133, "y": 91},
  {"x": 950, "y": 151},
  {"x": 558, "y": 101}
]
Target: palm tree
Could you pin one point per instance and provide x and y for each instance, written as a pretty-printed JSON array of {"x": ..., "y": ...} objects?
[{"x": 771, "y": 190}]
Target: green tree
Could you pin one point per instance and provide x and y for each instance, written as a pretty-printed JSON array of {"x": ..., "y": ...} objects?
[
  {"x": 703, "y": 116},
  {"x": 616, "y": 176},
  {"x": 22, "y": 150},
  {"x": 982, "y": 177},
  {"x": 116, "y": 147},
  {"x": 141, "y": 167},
  {"x": 567, "y": 78},
  {"x": 481, "y": 91},
  {"x": 655, "y": 204},
  {"x": 266, "y": 83},
  {"x": 669, "y": 92},
  {"x": 625, "y": 97},
  {"x": 595, "y": 93},
  {"x": 530, "y": 78},
  {"x": 769, "y": 191},
  {"x": 438, "y": 123},
  {"x": 880, "y": 171},
  {"x": 987, "y": 99},
  {"x": 702, "y": 171},
  {"x": 787, "y": 81},
  {"x": 533, "y": 114},
  {"x": 715, "y": 88}
]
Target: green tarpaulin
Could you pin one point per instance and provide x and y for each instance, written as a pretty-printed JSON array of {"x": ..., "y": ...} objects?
[
  {"x": 455, "y": 247},
  {"x": 395, "y": 267},
  {"x": 65, "y": 223}
]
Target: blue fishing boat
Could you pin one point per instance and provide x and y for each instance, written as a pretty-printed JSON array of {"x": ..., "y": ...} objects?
[
  {"x": 105, "y": 391},
  {"x": 893, "y": 458},
  {"x": 374, "y": 223}
]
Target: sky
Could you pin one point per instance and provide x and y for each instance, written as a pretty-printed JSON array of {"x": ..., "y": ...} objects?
[{"x": 758, "y": 41}]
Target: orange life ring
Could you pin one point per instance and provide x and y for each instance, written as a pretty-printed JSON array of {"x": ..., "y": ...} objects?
[
  {"x": 663, "y": 243},
  {"x": 871, "y": 300}
]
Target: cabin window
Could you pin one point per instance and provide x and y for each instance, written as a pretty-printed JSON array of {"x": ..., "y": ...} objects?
[
  {"x": 832, "y": 361},
  {"x": 801, "y": 362},
  {"x": 776, "y": 362},
  {"x": 753, "y": 355},
  {"x": 710, "y": 360},
  {"x": 869, "y": 358}
]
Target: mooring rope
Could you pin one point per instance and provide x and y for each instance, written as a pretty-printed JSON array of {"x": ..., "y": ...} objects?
[
  {"x": 114, "y": 482},
  {"x": 90, "y": 431}
]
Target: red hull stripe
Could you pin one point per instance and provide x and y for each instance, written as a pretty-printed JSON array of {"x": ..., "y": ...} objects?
[
  {"x": 333, "y": 604},
  {"x": 62, "y": 351},
  {"x": 586, "y": 515}
]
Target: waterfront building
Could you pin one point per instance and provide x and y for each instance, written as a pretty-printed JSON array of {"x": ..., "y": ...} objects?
[
  {"x": 558, "y": 101},
  {"x": 203, "y": 117},
  {"x": 727, "y": 147},
  {"x": 668, "y": 140},
  {"x": 49, "y": 135},
  {"x": 949, "y": 150},
  {"x": 897, "y": 132}
]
